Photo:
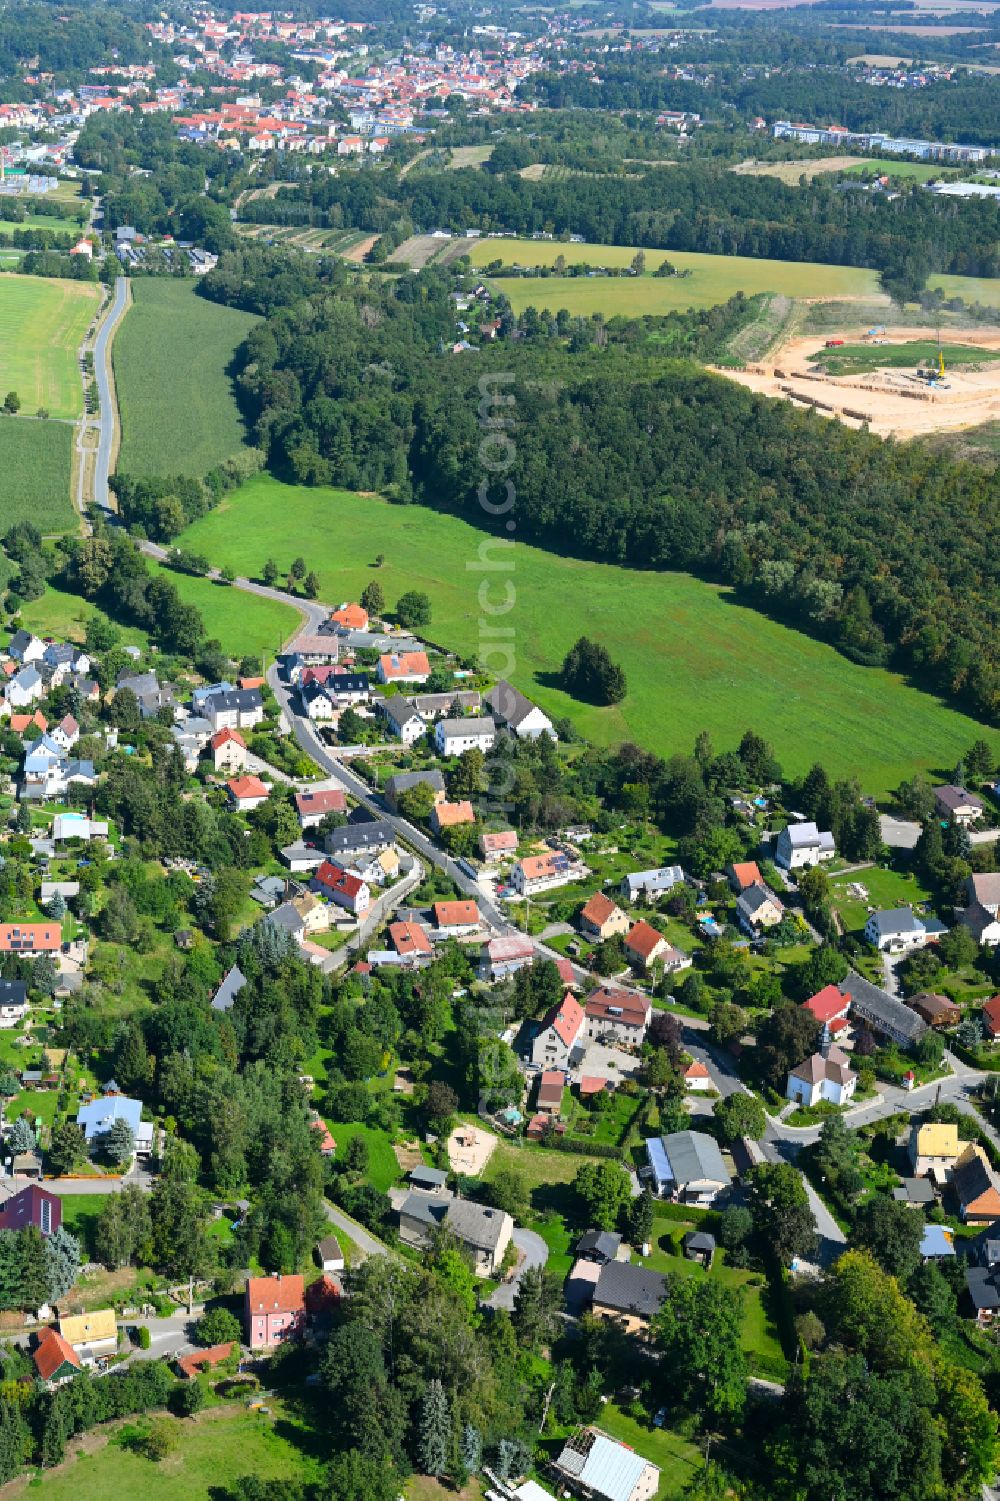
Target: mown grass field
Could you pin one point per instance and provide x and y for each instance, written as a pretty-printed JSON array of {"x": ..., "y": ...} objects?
[
  {"x": 171, "y": 354},
  {"x": 713, "y": 278},
  {"x": 42, "y": 324},
  {"x": 36, "y": 460},
  {"x": 693, "y": 659},
  {"x": 984, "y": 289},
  {"x": 216, "y": 1449},
  {"x": 242, "y": 623}
]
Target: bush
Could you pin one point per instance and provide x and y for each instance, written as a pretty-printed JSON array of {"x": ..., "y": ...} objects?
[
  {"x": 144, "y": 1338},
  {"x": 217, "y": 1327}
]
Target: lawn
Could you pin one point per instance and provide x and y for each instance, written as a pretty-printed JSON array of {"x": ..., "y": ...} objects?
[
  {"x": 244, "y": 624},
  {"x": 171, "y": 356},
  {"x": 760, "y": 1335},
  {"x": 383, "y": 1169},
  {"x": 887, "y": 889},
  {"x": 80, "y": 1213},
  {"x": 713, "y": 278},
  {"x": 217, "y": 1449},
  {"x": 692, "y": 657},
  {"x": 887, "y": 166},
  {"x": 58, "y": 613},
  {"x": 42, "y": 324},
  {"x": 857, "y": 359},
  {"x": 36, "y": 461}
]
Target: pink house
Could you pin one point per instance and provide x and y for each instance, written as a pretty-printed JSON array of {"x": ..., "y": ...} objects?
[{"x": 275, "y": 1309}]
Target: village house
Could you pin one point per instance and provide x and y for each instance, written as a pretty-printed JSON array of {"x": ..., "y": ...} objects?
[
  {"x": 13, "y": 1003},
  {"x": 936, "y": 1010},
  {"x": 232, "y": 983},
  {"x": 629, "y": 1295},
  {"x": 454, "y": 702},
  {"x": 229, "y": 751},
  {"x": 97, "y": 1117},
  {"x": 247, "y": 793},
  {"x": 802, "y": 844},
  {"x": 983, "y": 889},
  {"x": 402, "y": 719},
  {"x": 329, "y": 1255},
  {"x": 601, "y": 918},
  {"x": 825, "y": 1076},
  {"x": 343, "y": 887},
  {"x": 758, "y": 908},
  {"x": 274, "y": 1309},
  {"x": 600, "y": 1468},
  {"x": 55, "y": 1359},
  {"x": 982, "y": 924},
  {"x": 544, "y": 872},
  {"x": 24, "y": 647},
  {"x": 494, "y": 844},
  {"x": 240, "y": 709},
  {"x": 898, "y": 931},
  {"x": 933, "y": 1149},
  {"x": 617, "y": 1017},
  {"x": 350, "y": 617},
  {"x": 484, "y": 1232},
  {"x": 454, "y": 736},
  {"x": 29, "y": 939},
  {"x": 990, "y": 1011},
  {"x": 91, "y": 1335},
  {"x": 830, "y": 1007},
  {"x": 404, "y": 667},
  {"x": 741, "y": 876},
  {"x": 687, "y": 1166},
  {"x": 33, "y": 1206},
  {"x": 457, "y": 919},
  {"x": 313, "y": 807},
  {"x": 548, "y": 1102},
  {"x": 644, "y": 946},
  {"x": 697, "y": 1078},
  {"x": 365, "y": 837},
  {"x": 410, "y": 940},
  {"x": 445, "y": 815},
  {"x": 517, "y": 713},
  {"x": 957, "y": 805},
  {"x": 975, "y": 1187},
  {"x": 500, "y": 957},
  {"x": 651, "y": 884},
  {"x": 558, "y": 1034}
]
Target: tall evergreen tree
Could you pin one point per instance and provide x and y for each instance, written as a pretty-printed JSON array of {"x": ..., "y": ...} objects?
[{"x": 434, "y": 1433}]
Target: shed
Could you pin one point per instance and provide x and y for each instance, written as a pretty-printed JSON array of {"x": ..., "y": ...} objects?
[{"x": 699, "y": 1246}]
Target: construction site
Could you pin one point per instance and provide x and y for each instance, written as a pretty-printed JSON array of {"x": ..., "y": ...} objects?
[{"x": 932, "y": 395}]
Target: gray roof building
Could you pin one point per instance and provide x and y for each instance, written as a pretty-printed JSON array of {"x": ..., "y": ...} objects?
[
  {"x": 230, "y": 988},
  {"x": 629, "y": 1288},
  {"x": 375, "y": 834},
  {"x": 882, "y": 1011}
]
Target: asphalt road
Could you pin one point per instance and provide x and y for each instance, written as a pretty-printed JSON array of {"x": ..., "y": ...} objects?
[
  {"x": 102, "y": 467},
  {"x": 536, "y": 1253}
]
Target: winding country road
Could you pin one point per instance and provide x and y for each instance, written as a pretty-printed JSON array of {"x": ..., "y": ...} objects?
[{"x": 108, "y": 410}]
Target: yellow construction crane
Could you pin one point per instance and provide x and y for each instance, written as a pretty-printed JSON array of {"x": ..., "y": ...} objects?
[{"x": 940, "y": 363}]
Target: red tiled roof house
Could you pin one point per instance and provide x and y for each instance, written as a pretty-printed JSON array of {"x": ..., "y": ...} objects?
[{"x": 274, "y": 1309}]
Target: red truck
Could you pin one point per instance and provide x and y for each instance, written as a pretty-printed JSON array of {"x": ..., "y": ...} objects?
[{"x": 833, "y": 343}]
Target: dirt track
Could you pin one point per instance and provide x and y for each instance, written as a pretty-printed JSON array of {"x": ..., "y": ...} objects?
[{"x": 891, "y": 401}]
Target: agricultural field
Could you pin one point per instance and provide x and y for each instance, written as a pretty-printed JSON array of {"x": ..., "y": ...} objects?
[
  {"x": 242, "y": 623},
  {"x": 36, "y": 461},
  {"x": 984, "y": 289},
  {"x": 217, "y": 1448},
  {"x": 859, "y": 359},
  {"x": 469, "y": 156},
  {"x": 352, "y": 244},
  {"x": 712, "y": 279},
  {"x": 692, "y": 657},
  {"x": 42, "y": 324},
  {"x": 171, "y": 355}
]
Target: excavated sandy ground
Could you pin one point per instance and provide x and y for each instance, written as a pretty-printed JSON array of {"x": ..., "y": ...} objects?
[{"x": 879, "y": 397}]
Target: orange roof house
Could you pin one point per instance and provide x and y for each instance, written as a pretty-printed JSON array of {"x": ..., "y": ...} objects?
[
  {"x": 456, "y": 914},
  {"x": 450, "y": 815},
  {"x": 600, "y": 917},
  {"x": 247, "y": 791},
  {"x": 409, "y": 938},
  {"x": 351, "y": 617},
  {"x": 744, "y": 875},
  {"x": 54, "y": 1357}
]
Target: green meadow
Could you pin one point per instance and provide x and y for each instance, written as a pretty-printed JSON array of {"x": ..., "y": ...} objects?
[
  {"x": 693, "y": 658},
  {"x": 242, "y": 623},
  {"x": 42, "y": 324},
  {"x": 36, "y": 460},
  {"x": 171, "y": 355},
  {"x": 984, "y": 289},
  {"x": 712, "y": 279}
]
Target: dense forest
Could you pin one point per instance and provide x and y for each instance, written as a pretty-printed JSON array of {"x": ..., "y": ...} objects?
[{"x": 633, "y": 457}]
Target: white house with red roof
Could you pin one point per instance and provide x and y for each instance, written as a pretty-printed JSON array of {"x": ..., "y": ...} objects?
[
  {"x": 247, "y": 793},
  {"x": 561, "y": 1029},
  {"x": 644, "y": 945},
  {"x": 404, "y": 667},
  {"x": 343, "y": 887},
  {"x": 697, "y": 1077},
  {"x": 456, "y": 919},
  {"x": 229, "y": 751},
  {"x": 313, "y": 807}
]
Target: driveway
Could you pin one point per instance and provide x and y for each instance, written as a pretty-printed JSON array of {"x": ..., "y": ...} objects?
[{"x": 535, "y": 1253}]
